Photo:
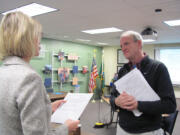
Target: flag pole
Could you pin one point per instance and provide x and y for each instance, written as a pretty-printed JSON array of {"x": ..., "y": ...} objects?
[
  {"x": 100, "y": 124},
  {"x": 94, "y": 56},
  {"x": 102, "y": 70},
  {"x": 93, "y": 99}
]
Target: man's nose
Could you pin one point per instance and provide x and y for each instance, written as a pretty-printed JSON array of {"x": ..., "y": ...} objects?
[{"x": 123, "y": 47}]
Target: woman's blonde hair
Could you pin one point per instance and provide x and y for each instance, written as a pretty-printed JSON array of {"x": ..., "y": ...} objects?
[{"x": 18, "y": 35}]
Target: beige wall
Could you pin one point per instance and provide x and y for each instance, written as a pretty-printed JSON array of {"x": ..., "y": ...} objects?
[{"x": 110, "y": 61}]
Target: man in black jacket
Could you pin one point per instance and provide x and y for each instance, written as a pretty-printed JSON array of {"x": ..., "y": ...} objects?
[{"x": 156, "y": 74}]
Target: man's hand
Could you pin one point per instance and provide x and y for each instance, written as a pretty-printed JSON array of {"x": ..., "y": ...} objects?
[
  {"x": 126, "y": 101},
  {"x": 56, "y": 104}
]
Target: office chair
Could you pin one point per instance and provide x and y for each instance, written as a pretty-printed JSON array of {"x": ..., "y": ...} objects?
[
  {"x": 168, "y": 122},
  {"x": 112, "y": 112}
]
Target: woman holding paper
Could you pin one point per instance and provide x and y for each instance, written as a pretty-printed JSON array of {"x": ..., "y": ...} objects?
[
  {"x": 157, "y": 76},
  {"x": 25, "y": 108}
]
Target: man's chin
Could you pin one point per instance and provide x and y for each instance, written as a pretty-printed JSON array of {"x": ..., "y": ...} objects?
[{"x": 126, "y": 56}]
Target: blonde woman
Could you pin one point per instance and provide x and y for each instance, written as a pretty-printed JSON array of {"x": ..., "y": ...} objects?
[{"x": 25, "y": 108}]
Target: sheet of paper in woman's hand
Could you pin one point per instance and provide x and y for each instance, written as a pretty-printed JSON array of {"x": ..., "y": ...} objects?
[{"x": 73, "y": 108}]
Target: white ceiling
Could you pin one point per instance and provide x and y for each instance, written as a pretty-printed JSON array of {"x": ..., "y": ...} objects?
[{"x": 77, "y": 15}]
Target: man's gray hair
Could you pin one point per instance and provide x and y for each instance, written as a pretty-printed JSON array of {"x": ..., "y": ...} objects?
[{"x": 136, "y": 36}]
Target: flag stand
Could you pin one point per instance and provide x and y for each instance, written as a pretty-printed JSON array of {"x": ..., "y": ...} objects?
[
  {"x": 101, "y": 100},
  {"x": 99, "y": 124},
  {"x": 93, "y": 100}
]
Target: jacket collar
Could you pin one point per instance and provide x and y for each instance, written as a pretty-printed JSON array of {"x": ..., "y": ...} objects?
[
  {"x": 142, "y": 63},
  {"x": 14, "y": 60}
]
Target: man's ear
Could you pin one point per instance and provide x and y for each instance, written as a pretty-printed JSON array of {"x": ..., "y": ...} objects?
[{"x": 139, "y": 43}]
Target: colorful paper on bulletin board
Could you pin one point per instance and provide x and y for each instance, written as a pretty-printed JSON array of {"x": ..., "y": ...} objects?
[
  {"x": 63, "y": 74},
  {"x": 66, "y": 73},
  {"x": 47, "y": 82},
  {"x": 58, "y": 93},
  {"x": 48, "y": 67},
  {"x": 72, "y": 57},
  {"x": 75, "y": 70},
  {"x": 84, "y": 69},
  {"x": 75, "y": 81},
  {"x": 61, "y": 55}
]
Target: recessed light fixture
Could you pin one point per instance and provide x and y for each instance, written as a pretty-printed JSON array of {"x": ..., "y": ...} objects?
[
  {"x": 83, "y": 40},
  {"x": 33, "y": 9},
  {"x": 173, "y": 22},
  {"x": 104, "y": 30}
]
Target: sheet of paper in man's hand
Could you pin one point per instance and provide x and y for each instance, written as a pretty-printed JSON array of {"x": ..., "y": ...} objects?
[
  {"x": 135, "y": 84},
  {"x": 73, "y": 108}
]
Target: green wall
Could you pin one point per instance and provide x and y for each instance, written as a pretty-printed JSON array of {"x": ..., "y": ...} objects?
[{"x": 85, "y": 52}]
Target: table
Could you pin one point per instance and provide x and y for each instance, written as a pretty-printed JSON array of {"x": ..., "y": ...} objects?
[{"x": 54, "y": 96}]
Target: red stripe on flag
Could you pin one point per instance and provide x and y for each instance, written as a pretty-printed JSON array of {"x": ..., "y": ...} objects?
[{"x": 94, "y": 75}]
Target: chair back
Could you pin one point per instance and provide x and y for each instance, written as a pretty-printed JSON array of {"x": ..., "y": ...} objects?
[{"x": 169, "y": 122}]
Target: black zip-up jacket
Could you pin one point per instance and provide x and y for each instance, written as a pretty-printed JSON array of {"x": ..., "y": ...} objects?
[{"x": 156, "y": 74}]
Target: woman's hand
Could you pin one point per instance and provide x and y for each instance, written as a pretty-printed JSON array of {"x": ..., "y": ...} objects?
[
  {"x": 72, "y": 124},
  {"x": 56, "y": 104}
]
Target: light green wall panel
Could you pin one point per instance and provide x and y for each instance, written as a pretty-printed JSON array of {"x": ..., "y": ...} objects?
[{"x": 85, "y": 52}]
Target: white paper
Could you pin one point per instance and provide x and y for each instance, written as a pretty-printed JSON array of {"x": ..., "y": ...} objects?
[
  {"x": 73, "y": 108},
  {"x": 135, "y": 84}
]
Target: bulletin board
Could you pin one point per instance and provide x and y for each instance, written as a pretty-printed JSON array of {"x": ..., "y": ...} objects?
[{"x": 120, "y": 57}]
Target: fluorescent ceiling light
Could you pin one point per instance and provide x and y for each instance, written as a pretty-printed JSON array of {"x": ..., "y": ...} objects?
[
  {"x": 84, "y": 40},
  {"x": 102, "y": 43},
  {"x": 32, "y": 9},
  {"x": 66, "y": 36},
  {"x": 173, "y": 22},
  {"x": 104, "y": 30},
  {"x": 148, "y": 40}
]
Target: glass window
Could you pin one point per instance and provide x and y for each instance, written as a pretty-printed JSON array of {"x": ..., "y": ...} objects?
[{"x": 171, "y": 58}]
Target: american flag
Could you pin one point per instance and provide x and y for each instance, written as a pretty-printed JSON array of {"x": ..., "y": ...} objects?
[{"x": 94, "y": 75}]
